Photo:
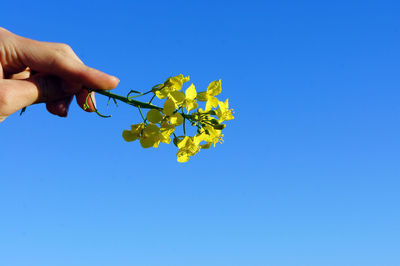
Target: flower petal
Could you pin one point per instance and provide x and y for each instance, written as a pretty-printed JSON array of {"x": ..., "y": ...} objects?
[
  {"x": 191, "y": 105},
  {"x": 183, "y": 156},
  {"x": 176, "y": 119},
  {"x": 147, "y": 142},
  {"x": 177, "y": 97},
  {"x": 161, "y": 94},
  {"x": 151, "y": 130},
  {"x": 206, "y": 146},
  {"x": 137, "y": 129},
  {"x": 128, "y": 136},
  {"x": 202, "y": 96},
  {"x": 169, "y": 107},
  {"x": 211, "y": 102},
  {"x": 214, "y": 88},
  {"x": 191, "y": 92},
  {"x": 182, "y": 143},
  {"x": 154, "y": 116}
]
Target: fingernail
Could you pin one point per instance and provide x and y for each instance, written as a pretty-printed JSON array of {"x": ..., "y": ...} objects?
[
  {"x": 62, "y": 109},
  {"x": 116, "y": 79},
  {"x": 93, "y": 98}
]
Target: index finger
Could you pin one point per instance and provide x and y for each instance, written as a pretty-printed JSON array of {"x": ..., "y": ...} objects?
[{"x": 40, "y": 57}]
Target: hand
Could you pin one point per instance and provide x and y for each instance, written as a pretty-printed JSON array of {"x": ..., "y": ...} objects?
[{"x": 42, "y": 72}]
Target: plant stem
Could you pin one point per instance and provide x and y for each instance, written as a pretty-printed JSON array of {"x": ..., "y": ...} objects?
[
  {"x": 184, "y": 122},
  {"x": 141, "y": 114},
  {"x": 128, "y": 101},
  {"x": 136, "y": 103}
]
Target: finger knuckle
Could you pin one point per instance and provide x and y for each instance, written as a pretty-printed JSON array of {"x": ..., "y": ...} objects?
[
  {"x": 56, "y": 61},
  {"x": 65, "y": 51},
  {"x": 63, "y": 47}
]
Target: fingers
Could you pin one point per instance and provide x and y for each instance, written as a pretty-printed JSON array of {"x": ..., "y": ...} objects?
[
  {"x": 59, "y": 107},
  {"x": 21, "y": 75},
  {"x": 61, "y": 75},
  {"x": 16, "y": 94},
  {"x": 58, "y": 61}
]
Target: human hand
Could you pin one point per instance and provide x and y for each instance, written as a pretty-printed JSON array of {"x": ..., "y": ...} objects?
[{"x": 43, "y": 72}]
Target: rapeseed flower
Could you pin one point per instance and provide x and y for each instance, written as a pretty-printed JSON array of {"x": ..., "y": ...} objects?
[
  {"x": 173, "y": 117},
  {"x": 187, "y": 147},
  {"x": 150, "y": 136},
  {"x": 160, "y": 124},
  {"x": 223, "y": 112},
  {"x": 170, "y": 85},
  {"x": 213, "y": 135},
  {"x": 190, "y": 96},
  {"x": 214, "y": 88},
  {"x": 134, "y": 133}
]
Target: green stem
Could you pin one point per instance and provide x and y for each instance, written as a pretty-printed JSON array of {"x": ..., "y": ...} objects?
[
  {"x": 136, "y": 103},
  {"x": 138, "y": 95},
  {"x": 184, "y": 126},
  {"x": 184, "y": 122},
  {"x": 141, "y": 114},
  {"x": 152, "y": 98},
  {"x": 128, "y": 101}
]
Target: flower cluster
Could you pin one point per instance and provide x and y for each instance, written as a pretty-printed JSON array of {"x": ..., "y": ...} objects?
[{"x": 181, "y": 108}]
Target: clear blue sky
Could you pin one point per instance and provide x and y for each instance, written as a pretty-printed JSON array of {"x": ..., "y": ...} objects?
[{"x": 309, "y": 173}]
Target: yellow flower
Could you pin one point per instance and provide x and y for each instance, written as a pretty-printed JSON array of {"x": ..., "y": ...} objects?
[
  {"x": 166, "y": 131},
  {"x": 213, "y": 135},
  {"x": 177, "y": 97},
  {"x": 150, "y": 136},
  {"x": 190, "y": 96},
  {"x": 202, "y": 137},
  {"x": 155, "y": 116},
  {"x": 188, "y": 146},
  {"x": 214, "y": 88},
  {"x": 170, "y": 85},
  {"x": 223, "y": 112},
  {"x": 183, "y": 156},
  {"x": 159, "y": 124},
  {"x": 175, "y": 119},
  {"x": 134, "y": 133},
  {"x": 186, "y": 99}
]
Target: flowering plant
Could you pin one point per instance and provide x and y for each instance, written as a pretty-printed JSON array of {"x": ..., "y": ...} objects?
[{"x": 179, "y": 109}]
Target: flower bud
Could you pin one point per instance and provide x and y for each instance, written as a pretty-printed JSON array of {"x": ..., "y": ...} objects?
[
  {"x": 214, "y": 121},
  {"x": 219, "y": 126}
]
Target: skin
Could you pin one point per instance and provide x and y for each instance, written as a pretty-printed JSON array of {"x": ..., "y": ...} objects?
[{"x": 34, "y": 72}]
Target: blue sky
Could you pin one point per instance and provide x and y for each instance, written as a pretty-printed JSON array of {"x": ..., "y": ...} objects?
[{"x": 309, "y": 171}]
